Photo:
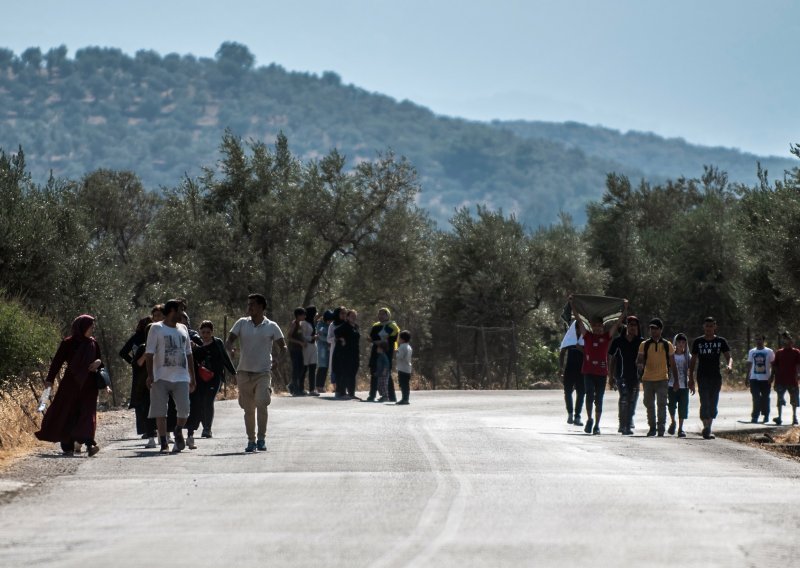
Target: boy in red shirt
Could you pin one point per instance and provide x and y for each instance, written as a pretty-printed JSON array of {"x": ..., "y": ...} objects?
[
  {"x": 595, "y": 362},
  {"x": 785, "y": 369}
]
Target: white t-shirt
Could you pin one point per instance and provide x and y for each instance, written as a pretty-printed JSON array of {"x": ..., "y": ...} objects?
[
  {"x": 310, "y": 348},
  {"x": 170, "y": 347},
  {"x": 571, "y": 337},
  {"x": 682, "y": 361},
  {"x": 761, "y": 360},
  {"x": 403, "y": 358},
  {"x": 255, "y": 344}
]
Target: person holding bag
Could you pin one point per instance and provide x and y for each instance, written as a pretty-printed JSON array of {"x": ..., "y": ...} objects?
[
  {"x": 212, "y": 361},
  {"x": 72, "y": 417}
]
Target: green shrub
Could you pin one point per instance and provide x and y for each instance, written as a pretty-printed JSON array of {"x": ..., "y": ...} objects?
[
  {"x": 537, "y": 362},
  {"x": 27, "y": 341}
]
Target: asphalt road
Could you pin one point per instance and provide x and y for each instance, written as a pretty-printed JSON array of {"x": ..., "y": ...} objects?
[{"x": 454, "y": 479}]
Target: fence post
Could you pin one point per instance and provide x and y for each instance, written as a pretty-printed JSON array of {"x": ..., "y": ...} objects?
[
  {"x": 225, "y": 336},
  {"x": 485, "y": 378},
  {"x": 458, "y": 358},
  {"x": 514, "y": 354}
]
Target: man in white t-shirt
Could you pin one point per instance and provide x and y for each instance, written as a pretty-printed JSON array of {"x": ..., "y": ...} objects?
[
  {"x": 170, "y": 370},
  {"x": 759, "y": 370},
  {"x": 256, "y": 335}
]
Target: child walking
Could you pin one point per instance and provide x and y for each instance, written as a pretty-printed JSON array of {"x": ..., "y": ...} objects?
[
  {"x": 403, "y": 358},
  {"x": 678, "y": 393}
]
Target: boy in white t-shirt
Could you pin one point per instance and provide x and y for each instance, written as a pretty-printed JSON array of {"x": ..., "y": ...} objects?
[
  {"x": 759, "y": 368},
  {"x": 403, "y": 360},
  {"x": 678, "y": 393}
]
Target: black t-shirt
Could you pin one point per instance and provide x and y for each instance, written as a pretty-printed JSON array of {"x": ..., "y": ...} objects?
[
  {"x": 708, "y": 352},
  {"x": 625, "y": 353}
]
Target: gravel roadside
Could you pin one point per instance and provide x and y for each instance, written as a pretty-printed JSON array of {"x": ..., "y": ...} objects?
[{"x": 45, "y": 461}]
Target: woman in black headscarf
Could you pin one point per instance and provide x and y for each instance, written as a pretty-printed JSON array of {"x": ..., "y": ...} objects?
[{"x": 73, "y": 415}]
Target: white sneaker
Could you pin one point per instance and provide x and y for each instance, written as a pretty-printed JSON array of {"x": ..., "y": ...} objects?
[{"x": 151, "y": 443}]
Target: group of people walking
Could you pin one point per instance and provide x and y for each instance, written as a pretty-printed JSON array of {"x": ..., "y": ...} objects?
[
  {"x": 667, "y": 372},
  {"x": 177, "y": 371}
]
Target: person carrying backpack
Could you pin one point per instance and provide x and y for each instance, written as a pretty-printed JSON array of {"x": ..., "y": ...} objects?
[{"x": 656, "y": 360}]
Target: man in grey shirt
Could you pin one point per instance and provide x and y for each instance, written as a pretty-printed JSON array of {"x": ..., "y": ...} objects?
[{"x": 256, "y": 335}]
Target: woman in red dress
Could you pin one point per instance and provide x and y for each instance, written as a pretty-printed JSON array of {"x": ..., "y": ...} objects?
[{"x": 72, "y": 418}]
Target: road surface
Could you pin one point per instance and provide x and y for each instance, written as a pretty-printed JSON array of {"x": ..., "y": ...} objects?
[{"x": 454, "y": 479}]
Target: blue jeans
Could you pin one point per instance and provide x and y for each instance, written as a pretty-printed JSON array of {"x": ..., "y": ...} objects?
[
  {"x": 760, "y": 393},
  {"x": 595, "y": 386},
  {"x": 628, "y": 397}
]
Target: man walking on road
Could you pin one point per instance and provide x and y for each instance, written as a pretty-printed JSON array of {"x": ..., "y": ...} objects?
[
  {"x": 170, "y": 371},
  {"x": 785, "y": 371},
  {"x": 256, "y": 335},
  {"x": 759, "y": 378},
  {"x": 656, "y": 358},
  {"x": 570, "y": 361},
  {"x": 622, "y": 355},
  {"x": 706, "y": 351}
]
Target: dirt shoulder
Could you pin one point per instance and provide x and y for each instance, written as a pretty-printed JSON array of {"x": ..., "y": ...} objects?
[{"x": 28, "y": 465}]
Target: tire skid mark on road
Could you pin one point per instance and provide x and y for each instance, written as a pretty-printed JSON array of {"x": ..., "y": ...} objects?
[{"x": 443, "y": 510}]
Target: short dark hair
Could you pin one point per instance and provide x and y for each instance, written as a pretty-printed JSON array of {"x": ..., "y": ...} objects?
[
  {"x": 259, "y": 299},
  {"x": 787, "y": 336},
  {"x": 657, "y": 322},
  {"x": 596, "y": 319},
  {"x": 299, "y": 312},
  {"x": 405, "y": 335},
  {"x": 157, "y": 308},
  {"x": 760, "y": 336},
  {"x": 709, "y": 319},
  {"x": 208, "y": 324},
  {"x": 171, "y": 306}
]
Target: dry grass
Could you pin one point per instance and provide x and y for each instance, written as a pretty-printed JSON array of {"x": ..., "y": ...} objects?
[
  {"x": 784, "y": 441},
  {"x": 18, "y": 421}
]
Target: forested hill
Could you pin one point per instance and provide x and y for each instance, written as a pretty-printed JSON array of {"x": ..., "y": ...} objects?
[
  {"x": 655, "y": 156},
  {"x": 164, "y": 117}
]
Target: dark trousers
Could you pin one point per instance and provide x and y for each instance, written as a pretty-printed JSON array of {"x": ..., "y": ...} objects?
[
  {"x": 298, "y": 370},
  {"x": 346, "y": 383},
  {"x": 574, "y": 383},
  {"x": 373, "y": 386},
  {"x": 708, "y": 389},
  {"x": 759, "y": 390},
  {"x": 201, "y": 409},
  {"x": 405, "y": 384},
  {"x": 628, "y": 397},
  {"x": 144, "y": 425},
  {"x": 595, "y": 386},
  {"x": 311, "y": 370},
  {"x": 322, "y": 373}
]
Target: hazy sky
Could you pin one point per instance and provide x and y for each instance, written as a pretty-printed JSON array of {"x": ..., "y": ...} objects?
[{"x": 715, "y": 72}]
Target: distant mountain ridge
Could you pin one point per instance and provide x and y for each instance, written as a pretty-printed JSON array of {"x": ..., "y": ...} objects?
[
  {"x": 164, "y": 116},
  {"x": 655, "y": 156}
]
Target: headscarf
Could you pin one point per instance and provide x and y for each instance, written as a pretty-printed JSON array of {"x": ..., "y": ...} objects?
[{"x": 84, "y": 349}]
